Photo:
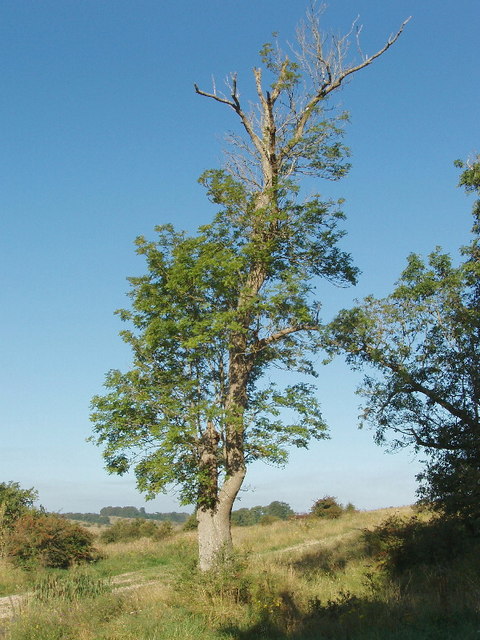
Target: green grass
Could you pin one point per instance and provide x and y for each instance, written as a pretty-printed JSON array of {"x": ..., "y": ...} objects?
[{"x": 289, "y": 581}]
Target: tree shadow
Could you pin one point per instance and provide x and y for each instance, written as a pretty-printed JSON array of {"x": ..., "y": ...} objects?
[{"x": 353, "y": 618}]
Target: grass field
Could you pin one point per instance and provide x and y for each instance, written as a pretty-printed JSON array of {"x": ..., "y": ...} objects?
[{"x": 294, "y": 580}]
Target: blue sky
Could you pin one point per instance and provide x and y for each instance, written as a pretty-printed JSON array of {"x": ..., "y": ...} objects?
[{"x": 103, "y": 137}]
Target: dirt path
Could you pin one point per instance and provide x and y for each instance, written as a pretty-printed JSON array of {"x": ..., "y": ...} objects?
[
  {"x": 11, "y": 606},
  {"x": 321, "y": 542}
]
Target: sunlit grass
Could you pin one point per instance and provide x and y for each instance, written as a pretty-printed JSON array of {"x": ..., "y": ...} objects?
[{"x": 291, "y": 580}]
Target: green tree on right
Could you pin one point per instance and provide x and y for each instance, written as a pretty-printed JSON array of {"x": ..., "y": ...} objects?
[{"x": 421, "y": 346}]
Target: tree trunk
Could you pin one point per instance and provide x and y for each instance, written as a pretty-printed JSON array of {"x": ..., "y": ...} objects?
[{"x": 214, "y": 532}]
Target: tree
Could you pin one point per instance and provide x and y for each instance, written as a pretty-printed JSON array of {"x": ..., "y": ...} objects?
[
  {"x": 14, "y": 502},
  {"x": 280, "y": 510},
  {"x": 218, "y": 310},
  {"x": 424, "y": 343},
  {"x": 326, "y": 507}
]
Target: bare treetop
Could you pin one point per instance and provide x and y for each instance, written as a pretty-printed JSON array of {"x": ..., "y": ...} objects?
[{"x": 284, "y": 136}]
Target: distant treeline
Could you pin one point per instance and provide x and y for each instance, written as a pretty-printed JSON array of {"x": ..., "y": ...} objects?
[
  {"x": 133, "y": 512},
  {"x": 275, "y": 510},
  {"x": 125, "y": 512},
  {"x": 94, "y": 518}
]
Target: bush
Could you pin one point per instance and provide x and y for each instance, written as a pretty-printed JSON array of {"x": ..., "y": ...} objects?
[
  {"x": 126, "y": 530},
  {"x": 191, "y": 524},
  {"x": 326, "y": 507},
  {"x": 49, "y": 540},
  {"x": 227, "y": 581}
]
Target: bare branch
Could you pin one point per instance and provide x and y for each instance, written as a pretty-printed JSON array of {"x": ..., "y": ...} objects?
[
  {"x": 332, "y": 78},
  {"x": 214, "y": 96}
]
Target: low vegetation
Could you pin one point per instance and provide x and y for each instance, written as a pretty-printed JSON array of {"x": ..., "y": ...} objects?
[
  {"x": 106, "y": 513},
  {"x": 31, "y": 538},
  {"x": 329, "y": 507},
  {"x": 134, "y": 512},
  {"x": 124, "y": 530},
  {"x": 47, "y": 540},
  {"x": 394, "y": 573},
  {"x": 266, "y": 515}
]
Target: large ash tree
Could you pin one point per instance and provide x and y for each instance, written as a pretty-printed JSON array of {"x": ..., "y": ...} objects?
[
  {"x": 422, "y": 347},
  {"x": 218, "y": 310}
]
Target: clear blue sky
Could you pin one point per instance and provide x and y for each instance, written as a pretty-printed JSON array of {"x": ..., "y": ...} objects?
[{"x": 103, "y": 137}]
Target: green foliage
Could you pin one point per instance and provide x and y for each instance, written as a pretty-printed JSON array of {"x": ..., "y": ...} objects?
[
  {"x": 422, "y": 344},
  {"x": 326, "y": 507},
  {"x": 91, "y": 518},
  {"x": 123, "y": 512},
  {"x": 14, "y": 502},
  {"x": 48, "y": 540},
  {"x": 125, "y": 530},
  {"x": 133, "y": 512},
  {"x": 185, "y": 315},
  {"x": 217, "y": 311},
  {"x": 280, "y": 510},
  {"x": 191, "y": 524},
  {"x": 245, "y": 517}
]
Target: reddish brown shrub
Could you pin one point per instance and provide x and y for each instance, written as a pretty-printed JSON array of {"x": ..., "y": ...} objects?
[{"x": 49, "y": 540}]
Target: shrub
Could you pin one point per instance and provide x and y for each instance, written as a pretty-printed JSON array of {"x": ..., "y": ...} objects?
[
  {"x": 125, "y": 530},
  {"x": 191, "y": 524},
  {"x": 227, "y": 581},
  {"x": 326, "y": 507},
  {"x": 49, "y": 540}
]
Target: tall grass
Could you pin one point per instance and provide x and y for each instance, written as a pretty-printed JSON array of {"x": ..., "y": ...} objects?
[
  {"x": 69, "y": 586},
  {"x": 292, "y": 580}
]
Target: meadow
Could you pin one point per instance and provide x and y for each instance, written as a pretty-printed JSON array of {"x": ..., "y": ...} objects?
[{"x": 363, "y": 576}]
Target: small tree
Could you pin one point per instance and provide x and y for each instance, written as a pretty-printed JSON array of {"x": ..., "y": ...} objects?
[
  {"x": 326, "y": 507},
  {"x": 14, "y": 502},
  {"x": 280, "y": 510},
  {"x": 219, "y": 309},
  {"x": 423, "y": 341}
]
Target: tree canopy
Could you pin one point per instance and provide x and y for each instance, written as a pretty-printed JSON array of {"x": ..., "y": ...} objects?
[
  {"x": 220, "y": 311},
  {"x": 423, "y": 343}
]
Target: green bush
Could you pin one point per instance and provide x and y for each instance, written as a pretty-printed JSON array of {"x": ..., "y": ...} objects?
[
  {"x": 126, "y": 530},
  {"x": 326, "y": 507},
  {"x": 227, "y": 581},
  {"x": 191, "y": 524},
  {"x": 48, "y": 540}
]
